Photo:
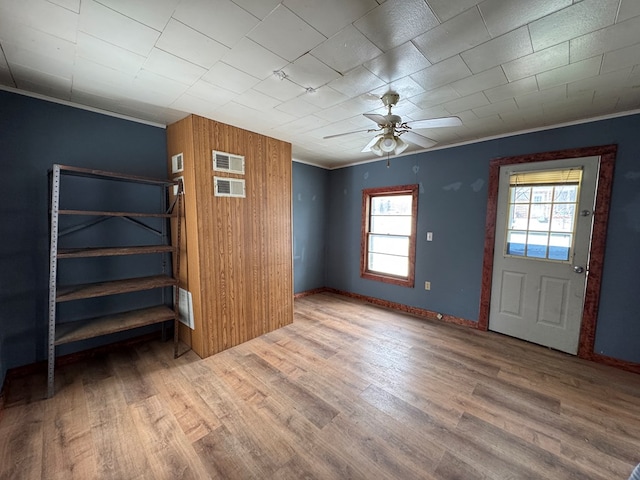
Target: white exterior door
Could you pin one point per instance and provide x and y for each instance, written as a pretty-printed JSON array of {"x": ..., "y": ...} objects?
[{"x": 543, "y": 232}]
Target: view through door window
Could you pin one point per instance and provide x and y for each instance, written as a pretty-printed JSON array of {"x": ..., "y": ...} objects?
[{"x": 542, "y": 214}]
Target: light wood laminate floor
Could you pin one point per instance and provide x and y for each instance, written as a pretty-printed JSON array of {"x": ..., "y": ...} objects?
[{"x": 349, "y": 390}]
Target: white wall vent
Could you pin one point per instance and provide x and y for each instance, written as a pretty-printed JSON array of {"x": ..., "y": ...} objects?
[
  {"x": 229, "y": 187},
  {"x": 227, "y": 162},
  {"x": 177, "y": 164}
]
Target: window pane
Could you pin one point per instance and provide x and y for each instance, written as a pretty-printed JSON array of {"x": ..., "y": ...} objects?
[
  {"x": 519, "y": 217},
  {"x": 560, "y": 246},
  {"x": 390, "y": 245},
  {"x": 537, "y": 245},
  {"x": 566, "y": 193},
  {"x": 539, "y": 218},
  {"x": 520, "y": 194},
  {"x": 516, "y": 243},
  {"x": 563, "y": 217},
  {"x": 390, "y": 264},
  {"x": 391, "y": 205},
  {"x": 387, "y": 225},
  {"x": 542, "y": 195}
]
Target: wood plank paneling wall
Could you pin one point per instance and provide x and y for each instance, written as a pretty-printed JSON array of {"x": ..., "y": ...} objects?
[{"x": 238, "y": 250}]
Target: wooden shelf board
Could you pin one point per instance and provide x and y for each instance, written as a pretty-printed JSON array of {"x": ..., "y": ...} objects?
[
  {"x": 89, "y": 172},
  {"x": 101, "y": 289},
  {"x": 96, "y": 213},
  {"x": 112, "y": 251},
  {"x": 96, "y": 327}
]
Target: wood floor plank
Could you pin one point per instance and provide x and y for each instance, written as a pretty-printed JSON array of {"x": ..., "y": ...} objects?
[
  {"x": 348, "y": 391},
  {"x": 70, "y": 447}
]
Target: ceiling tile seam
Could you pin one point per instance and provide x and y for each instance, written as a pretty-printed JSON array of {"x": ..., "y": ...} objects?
[
  {"x": 484, "y": 21},
  {"x": 13, "y": 78},
  {"x": 126, "y": 16},
  {"x": 247, "y": 35},
  {"x": 615, "y": 18}
]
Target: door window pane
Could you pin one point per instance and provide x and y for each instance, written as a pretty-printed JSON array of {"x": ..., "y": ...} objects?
[{"x": 542, "y": 219}]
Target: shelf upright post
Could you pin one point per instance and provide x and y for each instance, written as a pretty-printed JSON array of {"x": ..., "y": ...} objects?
[
  {"x": 176, "y": 273},
  {"x": 53, "y": 267}
]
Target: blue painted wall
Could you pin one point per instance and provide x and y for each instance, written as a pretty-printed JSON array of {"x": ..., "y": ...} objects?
[
  {"x": 35, "y": 134},
  {"x": 310, "y": 188},
  {"x": 452, "y": 204}
]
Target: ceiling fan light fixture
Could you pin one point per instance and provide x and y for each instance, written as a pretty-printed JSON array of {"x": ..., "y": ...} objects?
[
  {"x": 388, "y": 143},
  {"x": 401, "y": 146},
  {"x": 375, "y": 148}
]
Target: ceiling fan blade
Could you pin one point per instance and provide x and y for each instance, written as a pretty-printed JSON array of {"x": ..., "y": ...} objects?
[
  {"x": 346, "y": 133},
  {"x": 367, "y": 148},
  {"x": 436, "y": 122},
  {"x": 379, "y": 119},
  {"x": 419, "y": 140}
]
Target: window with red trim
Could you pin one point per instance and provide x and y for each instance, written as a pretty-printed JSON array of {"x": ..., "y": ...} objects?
[{"x": 389, "y": 221}]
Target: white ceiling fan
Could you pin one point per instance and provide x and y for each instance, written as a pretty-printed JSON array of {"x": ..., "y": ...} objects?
[{"x": 391, "y": 127}]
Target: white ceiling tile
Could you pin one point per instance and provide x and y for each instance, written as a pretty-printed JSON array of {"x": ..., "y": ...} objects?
[
  {"x": 73, "y": 5},
  {"x": 40, "y": 15},
  {"x": 406, "y": 87},
  {"x": 480, "y": 81},
  {"x": 330, "y": 16},
  {"x": 502, "y": 49},
  {"x": 357, "y": 81},
  {"x": 258, "y": 8},
  {"x": 570, "y": 73},
  {"x": 572, "y": 22},
  {"x": 3, "y": 61},
  {"x": 346, "y": 50},
  {"x": 305, "y": 124},
  {"x": 513, "y": 89},
  {"x": 504, "y": 106},
  {"x": 326, "y": 97},
  {"x": 308, "y": 71},
  {"x": 158, "y": 86},
  {"x": 442, "y": 73},
  {"x": 393, "y": 23},
  {"x": 196, "y": 105},
  {"x": 466, "y": 103},
  {"x": 105, "y": 79},
  {"x": 537, "y": 62},
  {"x": 154, "y": 15},
  {"x": 398, "y": 62},
  {"x": 221, "y": 20},
  {"x": 628, "y": 9},
  {"x": 351, "y": 108},
  {"x": 107, "y": 54},
  {"x": 434, "y": 97},
  {"x": 446, "y": 9},
  {"x": 35, "y": 40},
  {"x": 57, "y": 63},
  {"x": 185, "y": 42},
  {"x": 173, "y": 67},
  {"x": 618, "y": 79},
  {"x": 427, "y": 113},
  {"x": 285, "y": 34},
  {"x": 502, "y": 17},
  {"x": 257, "y": 100},
  {"x": 283, "y": 90},
  {"x": 453, "y": 36},
  {"x": 625, "y": 57},
  {"x": 212, "y": 93},
  {"x": 607, "y": 39},
  {"x": 230, "y": 78},
  {"x": 104, "y": 23},
  {"x": 254, "y": 59},
  {"x": 542, "y": 97},
  {"x": 41, "y": 82},
  {"x": 298, "y": 107}
]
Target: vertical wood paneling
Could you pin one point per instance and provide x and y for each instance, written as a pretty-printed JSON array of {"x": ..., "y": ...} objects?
[{"x": 244, "y": 245}]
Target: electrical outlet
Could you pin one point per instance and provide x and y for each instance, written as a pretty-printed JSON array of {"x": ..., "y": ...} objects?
[{"x": 427, "y": 285}]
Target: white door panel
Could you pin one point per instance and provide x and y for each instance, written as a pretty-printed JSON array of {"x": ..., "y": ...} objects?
[{"x": 536, "y": 298}]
